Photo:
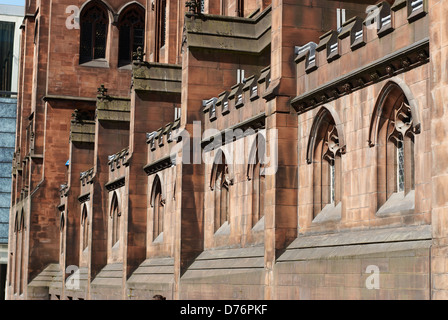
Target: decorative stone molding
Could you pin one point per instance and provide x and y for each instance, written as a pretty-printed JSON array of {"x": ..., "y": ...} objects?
[
  {"x": 228, "y": 135},
  {"x": 159, "y": 165},
  {"x": 115, "y": 184},
  {"x": 84, "y": 197}
]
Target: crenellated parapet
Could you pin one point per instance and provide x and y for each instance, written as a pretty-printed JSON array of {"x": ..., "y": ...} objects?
[
  {"x": 239, "y": 107},
  {"x": 388, "y": 41},
  {"x": 117, "y": 163},
  {"x": 86, "y": 177},
  {"x": 160, "y": 145}
]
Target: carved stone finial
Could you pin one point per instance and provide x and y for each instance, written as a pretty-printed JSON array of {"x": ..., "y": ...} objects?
[
  {"x": 138, "y": 55},
  {"x": 102, "y": 91},
  {"x": 194, "y": 6}
]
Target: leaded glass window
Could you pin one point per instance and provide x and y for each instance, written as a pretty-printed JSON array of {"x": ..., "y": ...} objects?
[
  {"x": 400, "y": 167},
  {"x": 94, "y": 25}
]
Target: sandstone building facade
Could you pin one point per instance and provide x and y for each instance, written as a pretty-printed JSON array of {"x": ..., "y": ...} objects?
[{"x": 233, "y": 149}]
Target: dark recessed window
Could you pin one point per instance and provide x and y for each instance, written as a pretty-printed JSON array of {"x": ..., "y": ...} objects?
[
  {"x": 94, "y": 23},
  {"x": 132, "y": 33}
]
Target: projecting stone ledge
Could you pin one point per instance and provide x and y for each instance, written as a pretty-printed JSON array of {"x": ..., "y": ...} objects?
[
  {"x": 82, "y": 132},
  {"x": 113, "y": 109},
  {"x": 249, "y": 35},
  {"x": 156, "y": 77}
]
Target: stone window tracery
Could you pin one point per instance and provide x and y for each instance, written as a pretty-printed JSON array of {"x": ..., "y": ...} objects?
[
  {"x": 324, "y": 154},
  {"x": 396, "y": 125}
]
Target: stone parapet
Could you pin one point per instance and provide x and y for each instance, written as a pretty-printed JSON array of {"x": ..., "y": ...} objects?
[{"x": 388, "y": 42}]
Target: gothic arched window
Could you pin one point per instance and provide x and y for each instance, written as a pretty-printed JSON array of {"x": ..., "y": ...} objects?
[
  {"x": 395, "y": 124},
  {"x": 115, "y": 214},
  {"x": 61, "y": 230},
  {"x": 257, "y": 177},
  {"x": 131, "y": 25},
  {"x": 94, "y": 23},
  {"x": 85, "y": 227},
  {"x": 157, "y": 203},
  {"x": 220, "y": 184},
  {"x": 324, "y": 153}
]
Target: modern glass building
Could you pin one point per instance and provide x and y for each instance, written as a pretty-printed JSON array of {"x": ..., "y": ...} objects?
[{"x": 11, "y": 18}]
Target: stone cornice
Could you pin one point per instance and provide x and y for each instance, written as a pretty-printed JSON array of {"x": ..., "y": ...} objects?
[
  {"x": 115, "y": 184},
  {"x": 159, "y": 165},
  {"x": 84, "y": 197},
  {"x": 228, "y": 135}
]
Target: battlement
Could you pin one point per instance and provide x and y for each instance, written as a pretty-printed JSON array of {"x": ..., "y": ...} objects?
[
  {"x": 160, "y": 144},
  {"x": 86, "y": 177},
  {"x": 388, "y": 41},
  {"x": 117, "y": 163},
  {"x": 240, "y": 103},
  {"x": 119, "y": 159}
]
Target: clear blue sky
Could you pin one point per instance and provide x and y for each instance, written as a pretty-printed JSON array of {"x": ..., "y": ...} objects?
[{"x": 13, "y": 2}]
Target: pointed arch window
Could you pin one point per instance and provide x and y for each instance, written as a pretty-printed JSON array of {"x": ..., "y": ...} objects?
[
  {"x": 131, "y": 25},
  {"x": 115, "y": 214},
  {"x": 158, "y": 204},
  {"x": 325, "y": 148},
  {"x": 61, "y": 230},
  {"x": 85, "y": 227},
  {"x": 94, "y": 22},
  {"x": 257, "y": 177},
  {"x": 220, "y": 184},
  {"x": 396, "y": 124}
]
